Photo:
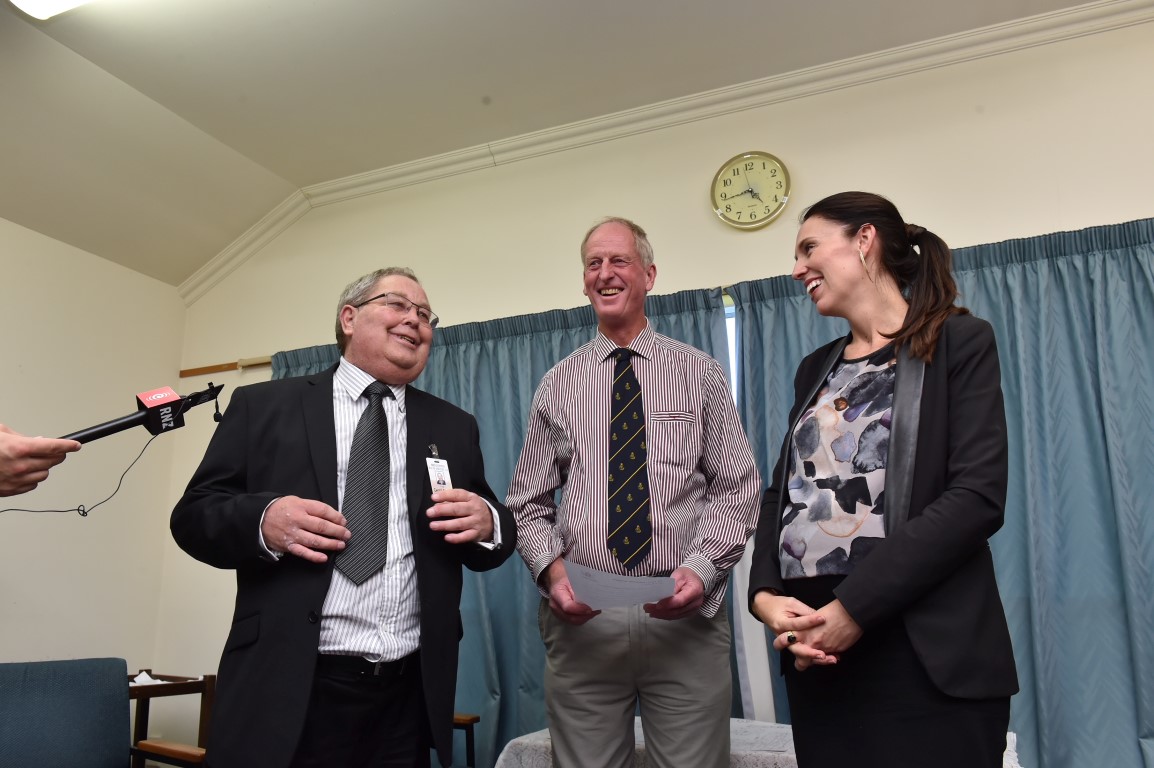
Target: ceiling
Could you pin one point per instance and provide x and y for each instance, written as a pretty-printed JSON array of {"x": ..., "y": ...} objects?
[{"x": 155, "y": 133}]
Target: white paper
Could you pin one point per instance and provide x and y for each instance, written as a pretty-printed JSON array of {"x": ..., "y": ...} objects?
[
  {"x": 598, "y": 589},
  {"x": 145, "y": 679}
]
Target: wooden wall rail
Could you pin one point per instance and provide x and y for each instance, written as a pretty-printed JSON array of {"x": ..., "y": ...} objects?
[{"x": 239, "y": 365}]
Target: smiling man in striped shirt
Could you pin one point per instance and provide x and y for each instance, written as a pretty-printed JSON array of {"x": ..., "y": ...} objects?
[{"x": 642, "y": 433}]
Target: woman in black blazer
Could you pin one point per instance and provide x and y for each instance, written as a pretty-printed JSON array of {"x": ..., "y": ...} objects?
[{"x": 871, "y": 564}]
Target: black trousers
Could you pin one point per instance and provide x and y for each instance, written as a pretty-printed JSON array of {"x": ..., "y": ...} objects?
[{"x": 363, "y": 715}]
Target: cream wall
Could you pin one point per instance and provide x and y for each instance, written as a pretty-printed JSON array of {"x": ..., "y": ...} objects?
[
  {"x": 1049, "y": 138},
  {"x": 81, "y": 336}
]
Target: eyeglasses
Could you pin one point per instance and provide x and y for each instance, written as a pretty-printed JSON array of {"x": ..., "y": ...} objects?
[{"x": 395, "y": 302}]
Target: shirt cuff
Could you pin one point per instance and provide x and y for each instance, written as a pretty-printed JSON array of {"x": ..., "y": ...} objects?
[
  {"x": 268, "y": 554},
  {"x": 497, "y": 541},
  {"x": 705, "y": 570}
]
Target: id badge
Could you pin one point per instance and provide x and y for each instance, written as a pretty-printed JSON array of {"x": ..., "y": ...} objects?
[{"x": 439, "y": 474}]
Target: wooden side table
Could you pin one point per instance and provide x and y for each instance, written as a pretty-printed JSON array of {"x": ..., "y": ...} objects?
[
  {"x": 465, "y": 722},
  {"x": 163, "y": 750}
]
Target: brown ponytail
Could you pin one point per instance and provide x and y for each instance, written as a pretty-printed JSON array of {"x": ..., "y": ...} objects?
[{"x": 917, "y": 259}]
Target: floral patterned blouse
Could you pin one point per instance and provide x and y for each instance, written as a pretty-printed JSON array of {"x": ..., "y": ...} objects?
[{"x": 833, "y": 516}]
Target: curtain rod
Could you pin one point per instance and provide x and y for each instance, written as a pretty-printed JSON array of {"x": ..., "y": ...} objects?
[
  {"x": 239, "y": 365},
  {"x": 254, "y": 362}
]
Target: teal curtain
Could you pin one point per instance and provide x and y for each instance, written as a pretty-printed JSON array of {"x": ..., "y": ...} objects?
[
  {"x": 302, "y": 362},
  {"x": 775, "y": 328},
  {"x": 1074, "y": 315},
  {"x": 492, "y": 369}
]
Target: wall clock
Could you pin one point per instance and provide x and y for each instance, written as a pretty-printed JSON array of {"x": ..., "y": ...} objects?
[{"x": 750, "y": 190}]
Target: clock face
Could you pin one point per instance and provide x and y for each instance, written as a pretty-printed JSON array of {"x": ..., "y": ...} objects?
[{"x": 750, "y": 190}]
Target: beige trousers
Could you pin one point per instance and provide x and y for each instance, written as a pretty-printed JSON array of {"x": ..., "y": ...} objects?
[{"x": 676, "y": 673}]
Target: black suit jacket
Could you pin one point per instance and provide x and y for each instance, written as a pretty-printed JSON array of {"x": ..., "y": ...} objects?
[
  {"x": 945, "y": 496},
  {"x": 278, "y": 439}
]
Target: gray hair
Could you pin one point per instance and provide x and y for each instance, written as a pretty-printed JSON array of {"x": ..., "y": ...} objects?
[
  {"x": 361, "y": 289},
  {"x": 640, "y": 239}
]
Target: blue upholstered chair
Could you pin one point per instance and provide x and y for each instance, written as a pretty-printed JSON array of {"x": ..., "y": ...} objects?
[{"x": 64, "y": 714}]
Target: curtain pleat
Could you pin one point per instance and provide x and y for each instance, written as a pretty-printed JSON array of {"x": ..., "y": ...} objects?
[
  {"x": 302, "y": 362},
  {"x": 1074, "y": 313}
]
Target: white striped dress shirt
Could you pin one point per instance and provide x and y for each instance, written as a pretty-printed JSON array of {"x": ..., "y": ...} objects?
[
  {"x": 380, "y": 619},
  {"x": 704, "y": 485}
]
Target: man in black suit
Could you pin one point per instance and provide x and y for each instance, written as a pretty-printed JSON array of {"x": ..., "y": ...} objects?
[{"x": 324, "y": 668}]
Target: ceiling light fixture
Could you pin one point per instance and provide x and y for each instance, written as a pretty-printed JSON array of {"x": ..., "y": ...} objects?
[{"x": 46, "y": 9}]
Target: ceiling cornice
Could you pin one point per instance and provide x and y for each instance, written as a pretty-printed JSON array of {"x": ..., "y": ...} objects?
[
  {"x": 244, "y": 247},
  {"x": 402, "y": 175},
  {"x": 995, "y": 40}
]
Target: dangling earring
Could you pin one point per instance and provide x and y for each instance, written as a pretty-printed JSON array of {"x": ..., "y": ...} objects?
[{"x": 861, "y": 258}]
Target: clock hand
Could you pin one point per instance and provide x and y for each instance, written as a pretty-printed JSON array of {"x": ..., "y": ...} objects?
[
  {"x": 751, "y": 191},
  {"x": 737, "y": 195}
]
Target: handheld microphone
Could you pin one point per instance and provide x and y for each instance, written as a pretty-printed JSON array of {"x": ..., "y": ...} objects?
[{"x": 158, "y": 410}]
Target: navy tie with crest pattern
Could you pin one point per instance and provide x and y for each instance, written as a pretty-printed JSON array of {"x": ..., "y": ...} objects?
[
  {"x": 630, "y": 523},
  {"x": 366, "y": 502}
]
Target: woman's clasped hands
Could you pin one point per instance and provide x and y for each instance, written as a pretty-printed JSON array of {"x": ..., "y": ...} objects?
[{"x": 812, "y": 636}]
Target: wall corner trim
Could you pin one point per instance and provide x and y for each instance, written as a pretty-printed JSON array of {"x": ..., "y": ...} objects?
[{"x": 244, "y": 247}]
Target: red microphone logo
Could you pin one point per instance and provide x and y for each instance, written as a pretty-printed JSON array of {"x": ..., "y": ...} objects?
[
  {"x": 162, "y": 407},
  {"x": 157, "y": 396}
]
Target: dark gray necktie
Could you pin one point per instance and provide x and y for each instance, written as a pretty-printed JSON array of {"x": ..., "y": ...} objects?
[{"x": 366, "y": 502}]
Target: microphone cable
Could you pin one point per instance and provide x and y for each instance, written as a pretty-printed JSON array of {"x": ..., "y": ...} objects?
[{"x": 80, "y": 508}]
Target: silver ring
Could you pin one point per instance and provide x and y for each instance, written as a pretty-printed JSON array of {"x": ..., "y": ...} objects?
[{"x": 790, "y": 637}]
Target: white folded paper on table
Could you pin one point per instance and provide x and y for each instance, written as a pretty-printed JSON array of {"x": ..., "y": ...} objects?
[
  {"x": 145, "y": 679},
  {"x": 598, "y": 589}
]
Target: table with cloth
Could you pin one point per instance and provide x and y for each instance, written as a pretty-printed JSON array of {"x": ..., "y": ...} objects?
[{"x": 753, "y": 744}]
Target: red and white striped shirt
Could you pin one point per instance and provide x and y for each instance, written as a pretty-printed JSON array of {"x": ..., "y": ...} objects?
[{"x": 704, "y": 485}]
